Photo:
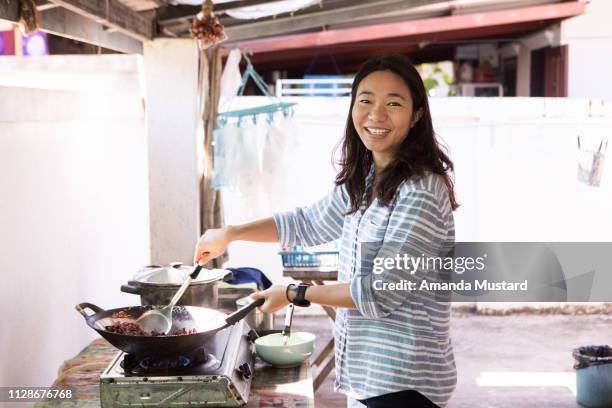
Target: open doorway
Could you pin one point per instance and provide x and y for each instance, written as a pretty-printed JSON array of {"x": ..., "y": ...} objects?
[
  {"x": 549, "y": 72},
  {"x": 508, "y": 75}
]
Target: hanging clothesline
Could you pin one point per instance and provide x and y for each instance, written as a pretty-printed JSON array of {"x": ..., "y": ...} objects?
[
  {"x": 250, "y": 72},
  {"x": 281, "y": 106}
]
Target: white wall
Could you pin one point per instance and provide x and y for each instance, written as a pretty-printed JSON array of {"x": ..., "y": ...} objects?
[
  {"x": 171, "y": 73},
  {"x": 589, "y": 37},
  {"x": 515, "y": 160},
  {"x": 517, "y": 168},
  {"x": 73, "y": 205}
]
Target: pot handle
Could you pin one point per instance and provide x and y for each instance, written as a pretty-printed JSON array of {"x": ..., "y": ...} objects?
[
  {"x": 82, "y": 306},
  {"x": 129, "y": 288},
  {"x": 242, "y": 312}
]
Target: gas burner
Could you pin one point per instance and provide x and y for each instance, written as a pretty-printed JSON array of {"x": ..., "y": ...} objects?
[
  {"x": 134, "y": 365},
  {"x": 218, "y": 374},
  {"x": 167, "y": 363}
]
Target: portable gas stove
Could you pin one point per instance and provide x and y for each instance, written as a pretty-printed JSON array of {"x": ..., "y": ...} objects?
[{"x": 217, "y": 375}]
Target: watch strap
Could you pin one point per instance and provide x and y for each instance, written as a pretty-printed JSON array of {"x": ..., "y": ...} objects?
[{"x": 300, "y": 296}]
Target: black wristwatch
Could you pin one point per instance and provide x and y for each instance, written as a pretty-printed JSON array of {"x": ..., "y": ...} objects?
[{"x": 300, "y": 295}]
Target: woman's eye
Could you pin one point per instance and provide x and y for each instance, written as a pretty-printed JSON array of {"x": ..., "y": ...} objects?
[
  {"x": 394, "y": 104},
  {"x": 364, "y": 101}
]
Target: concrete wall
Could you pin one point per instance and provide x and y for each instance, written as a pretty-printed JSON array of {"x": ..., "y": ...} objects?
[
  {"x": 74, "y": 222},
  {"x": 78, "y": 175},
  {"x": 170, "y": 72},
  {"x": 589, "y": 38}
]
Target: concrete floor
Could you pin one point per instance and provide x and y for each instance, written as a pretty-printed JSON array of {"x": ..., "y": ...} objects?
[{"x": 502, "y": 361}]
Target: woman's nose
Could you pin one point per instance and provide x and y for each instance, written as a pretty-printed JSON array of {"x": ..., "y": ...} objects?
[{"x": 377, "y": 113}]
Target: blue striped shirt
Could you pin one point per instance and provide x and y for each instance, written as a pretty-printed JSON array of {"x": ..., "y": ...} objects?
[{"x": 394, "y": 340}]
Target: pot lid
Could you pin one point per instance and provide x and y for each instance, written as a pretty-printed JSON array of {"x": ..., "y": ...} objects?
[{"x": 176, "y": 275}]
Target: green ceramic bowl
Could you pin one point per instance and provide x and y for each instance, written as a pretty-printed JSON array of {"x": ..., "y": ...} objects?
[{"x": 299, "y": 347}]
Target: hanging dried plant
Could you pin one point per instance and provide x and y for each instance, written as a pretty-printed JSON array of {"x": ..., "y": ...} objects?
[
  {"x": 206, "y": 27},
  {"x": 29, "y": 18}
]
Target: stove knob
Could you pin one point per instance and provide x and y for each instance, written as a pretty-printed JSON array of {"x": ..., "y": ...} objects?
[{"x": 245, "y": 370}]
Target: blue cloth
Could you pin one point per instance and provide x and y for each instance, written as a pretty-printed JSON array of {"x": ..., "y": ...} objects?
[{"x": 248, "y": 275}]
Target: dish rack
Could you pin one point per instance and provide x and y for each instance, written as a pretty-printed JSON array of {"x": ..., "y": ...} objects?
[{"x": 322, "y": 261}]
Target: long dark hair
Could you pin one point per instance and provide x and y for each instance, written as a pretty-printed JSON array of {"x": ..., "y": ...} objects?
[{"x": 419, "y": 152}]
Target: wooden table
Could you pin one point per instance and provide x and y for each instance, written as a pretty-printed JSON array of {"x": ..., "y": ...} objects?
[
  {"x": 324, "y": 361},
  {"x": 271, "y": 387}
]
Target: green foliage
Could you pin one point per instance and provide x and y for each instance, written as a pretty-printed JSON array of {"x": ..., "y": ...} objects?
[{"x": 430, "y": 83}]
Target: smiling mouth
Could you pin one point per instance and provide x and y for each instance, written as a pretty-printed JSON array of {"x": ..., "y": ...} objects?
[{"x": 377, "y": 131}]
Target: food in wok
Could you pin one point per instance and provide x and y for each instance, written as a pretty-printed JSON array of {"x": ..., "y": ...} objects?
[{"x": 133, "y": 329}]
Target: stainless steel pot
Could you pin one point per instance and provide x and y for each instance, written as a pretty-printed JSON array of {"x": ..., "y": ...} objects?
[
  {"x": 157, "y": 285},
  {"x": 257, "y": 319}
]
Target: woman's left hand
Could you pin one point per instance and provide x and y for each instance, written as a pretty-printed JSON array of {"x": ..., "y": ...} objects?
[{"x": 275, "y": 298}]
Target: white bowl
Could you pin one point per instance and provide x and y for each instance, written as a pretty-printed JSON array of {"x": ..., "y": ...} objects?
[{"x": 300, "y": 346}]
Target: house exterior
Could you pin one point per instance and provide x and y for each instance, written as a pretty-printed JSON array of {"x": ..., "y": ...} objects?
[{"x": 87, "y": 140}]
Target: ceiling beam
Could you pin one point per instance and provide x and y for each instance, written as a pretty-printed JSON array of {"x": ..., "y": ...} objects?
[
  {"x": 47, "y": 6},
  {"x": 317, "y": 19},
  {"x": 430, "y": 26},
  {"x": 64, "y": 23},
  {"x": 67, "y": 24},
  {"x": 43, "y": 5},
  {"x": 9, "y": 10},
  {"x": 415, "y": 46},
  {"x": 323, "y": 57},
  {"x": 112, "y": 14},
  {"x": 171, "y": 14}
]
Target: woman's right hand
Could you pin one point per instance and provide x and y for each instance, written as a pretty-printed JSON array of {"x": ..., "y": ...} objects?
[
  {"x": 215, "y": 241},
  {"x": 212, "y": 244}
]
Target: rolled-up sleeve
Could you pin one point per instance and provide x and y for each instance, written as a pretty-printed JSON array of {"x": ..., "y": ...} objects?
[
  {"x": 314, "y": 225},
  {"x": 417, "y": 229}
]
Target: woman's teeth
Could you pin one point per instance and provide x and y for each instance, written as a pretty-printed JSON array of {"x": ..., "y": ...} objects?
[{"x": 376, "y": 131}]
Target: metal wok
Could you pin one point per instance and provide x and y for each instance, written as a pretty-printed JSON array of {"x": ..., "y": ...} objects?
[{"x": 206, "y": 321}]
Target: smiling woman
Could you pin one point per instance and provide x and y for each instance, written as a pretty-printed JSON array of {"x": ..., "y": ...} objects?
[
  {"x": 390, "y": 127},
  {"x": 382, "y": 117},
  {"x": 393, "y": 195}
]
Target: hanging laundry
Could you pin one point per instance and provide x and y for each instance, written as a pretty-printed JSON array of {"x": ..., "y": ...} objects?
[
  {"x": 278, "y": 172},
  {"x": 250, "y": 145},
  {"x": 231, "y": 79}
]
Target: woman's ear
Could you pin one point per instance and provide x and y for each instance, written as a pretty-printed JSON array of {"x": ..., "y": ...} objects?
[{"x": 416, "y": 117}]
